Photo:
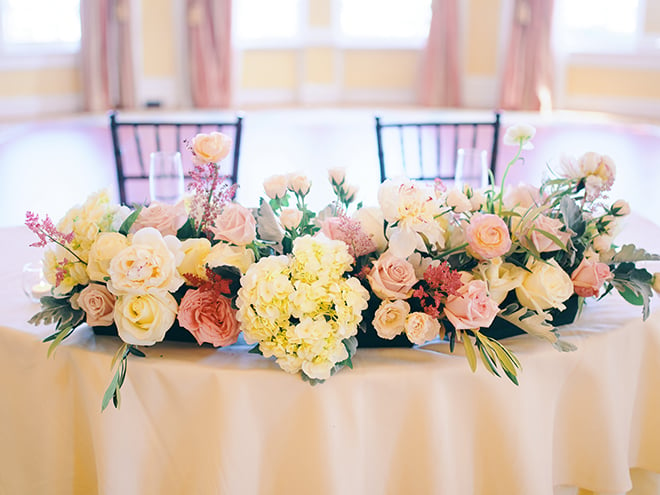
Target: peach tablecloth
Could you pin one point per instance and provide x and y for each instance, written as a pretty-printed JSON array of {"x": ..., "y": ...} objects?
[{"x": 403, "y": 421}]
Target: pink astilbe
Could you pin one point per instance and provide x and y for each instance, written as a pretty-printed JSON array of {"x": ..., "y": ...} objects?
[
  {"x": 61, "y": 271},
  {"x": 439, "y": 282},
  {"x": 46, "y": 231},
  {"x": 210, "y": 192},
  {"x": 351, "y": 233}
]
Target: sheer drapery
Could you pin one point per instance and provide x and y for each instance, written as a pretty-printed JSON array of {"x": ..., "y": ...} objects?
[
  {"x": 107, "y": 58},
  {"x": 441, "y": 67},
  {"x": 529, "y": 66},
  {"x": 209, "y": 52}
]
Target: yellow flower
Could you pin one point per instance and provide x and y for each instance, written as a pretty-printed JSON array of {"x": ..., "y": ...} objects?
[
  {"x": 545, "y": 286},
  {"x": 106, "y": 246},
  {"x": 226, "y": 254},
  {"x": 144, "y": 319},
  {"x": 195, "y": 252}
]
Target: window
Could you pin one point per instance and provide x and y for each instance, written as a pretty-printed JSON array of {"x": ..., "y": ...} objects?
[
  {"x": 56, "y": 28},
  {"x": 381, "y": 20},
  {"x": 597, "y": 25},
  {"x": 259, "y": 21}
]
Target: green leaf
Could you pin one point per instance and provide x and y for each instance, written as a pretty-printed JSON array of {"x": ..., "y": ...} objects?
[
  {"x": 58, "y": 338},
  {"x": 187, "y": 230},
  {"x": 537, "y": 324},
  {"x": 552, "y": 237},
  {"x": 469, "y": 352},
  {"x": 634, "y": 285},
  {"x": 135, "y": 351},
  {"x": 58, "y": 311},
  {"x": 130, "y": 220},
  {"x": 630, "y": 253},
  {"x": 255, "y": 350}
]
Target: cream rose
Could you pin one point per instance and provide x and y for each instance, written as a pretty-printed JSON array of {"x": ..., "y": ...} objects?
[
  {"x": 275, "y": 186},
  {"x": 471, "y": 307},
  {"x": 211, "y": 148},
  {"x": 106, "y": 246},
  {"x": 500, "y": 277},
  {"x": 545, "y": 286},
  {"x": 390, "y": 318},
  {"x": 487, "y": 236},
  {"x": 391, "y": 277},
  {"x": 148, "y": 265},
  {"x": 144, "y": 319},
  {"x": 226, "y": 254},
  {"x": 98, "y": 304},
  {"x": 589, "y": 277},
  {"x": 235, "y": 224},
  {"x": 195, "y": 252},
  {"x": 421, "y": 328},
  {"x": 167, "y": 219},
  {"x": 290, "y": 218}
]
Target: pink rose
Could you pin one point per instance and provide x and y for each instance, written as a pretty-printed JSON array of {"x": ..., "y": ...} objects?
[
  {"x": 471, "y": 307},
  {"x": 167, "y": 219},
  {"x": 210, "y": 148},
  {"x": 209, "y": 316},
  {"x": 487, "y": 236},
  {"x": 421, "y": 328},
  {"x": 589, "y": 277},
  {"x": 98, "y": 304},
  {"x": 331, "y": 228},
  {"x": 552, "y": 226},
  {"x": 236, "y": 225},
  {"x": 392, "y": 277}
]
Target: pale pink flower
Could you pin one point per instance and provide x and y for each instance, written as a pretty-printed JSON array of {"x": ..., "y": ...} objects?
[
  {"x": 167, "y": 219},
  {"x": 552, "y": 226},
  {"x": 235, "y": 224},
  {"x": 210, "y": 148},
  {"x": 589, "y": 277},
  {"x": 98, "y": 304},
  {"x": 421, "y": 328},
  {"x": 391, "y": 277},
  {"x": 275, "y": 186},
  {"x": 471, "y": 307},
  {"x": 487, "y": 236}
]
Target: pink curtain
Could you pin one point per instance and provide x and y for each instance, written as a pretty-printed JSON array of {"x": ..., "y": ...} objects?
[
  {"x": 529, "y": 66},
  {"x": 107, "y": 59},
  {"x": 441, "y": 68},
  {"x": 209, "y": 50}
]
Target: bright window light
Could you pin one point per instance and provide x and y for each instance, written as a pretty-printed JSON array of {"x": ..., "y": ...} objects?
[
  {"x": 267, "y": 19},
  {"x": 385, "y": 18},
  {"x": 57, "y": 22}
]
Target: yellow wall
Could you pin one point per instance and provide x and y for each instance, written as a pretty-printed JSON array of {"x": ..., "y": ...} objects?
[
  {"x": 619, "y": 83},
  {"x": 269, "y": 69},
  {"x": 45, "y": 82},
  {"x": 157, "y": 39},
  {"x": 368, "y": 69},
  {"x": 481, "y": 46}
]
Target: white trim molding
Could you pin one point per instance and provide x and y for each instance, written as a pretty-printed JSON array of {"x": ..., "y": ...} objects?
[{"x": 37, "y": 106}]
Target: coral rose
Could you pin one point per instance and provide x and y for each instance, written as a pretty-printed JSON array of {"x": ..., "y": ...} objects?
[
  {"x": 236, "y": 225},
  {"x": 390, "y": 318},
  {"x": 589, "y": 277},
  {"x": 487, "y": 236},
  {"x": 209, "y": 317},
  {"x": 392, "y": 277},
  {"x": 98, "y": 304},
  {"x": 471, "y": 307},
  {"x": 210, "y": 148}
]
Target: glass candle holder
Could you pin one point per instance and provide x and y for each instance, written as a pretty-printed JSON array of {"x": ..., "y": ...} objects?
[{"x": 35, "y": 284}]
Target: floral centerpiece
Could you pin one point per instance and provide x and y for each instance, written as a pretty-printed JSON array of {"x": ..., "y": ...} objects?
[{"x": 309, "y": 288}]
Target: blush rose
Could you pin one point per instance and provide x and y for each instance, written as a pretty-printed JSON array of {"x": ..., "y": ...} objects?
[
  {"x": 167, "y": 219},
  {"x": 392, "y": 277},
  {"x": 210, "y": 148},
  {"x": 589, "y": 277},
  {"x": 209, "y": 317},
  {"x": 98, "y": 304},
  {"x": 236, "y": 225},
  {"x": 421, "y": 328},
  {"x": 487, "y": 236},
  {"x": 471, "y": 307}
]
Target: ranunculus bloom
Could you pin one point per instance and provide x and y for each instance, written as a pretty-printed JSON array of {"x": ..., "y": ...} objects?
[
  {"x": 552, "y": 226},
  {"x": 144, "y": 319},
  {"x": 545, "y": 286},
  {"x": 106, "y": 246},
  {"x": 589, "y": 277},
  {"x": 299, "y": 184},
  {"x": 487, "y": 236},
  {"x": 210, "y": 148},
  {"x": 391, "y": 277},
  {"x": 519, "y": 134},
  {"x": 226, "y": 254},
  {"x": 421, "y": 328},
  {"x": 167, "y": 219},
  {"x": 471, "y": 307},
  {"x": 290, "y": 218},
  {"x": 209, "y": 317},
  {"x": 390, "y": 318},
  {"x": 275, "y": 186},
  {"x": 98, "y": 304},
  {"x": 235, "y": 224},
  {"x": 195, "y": 252},
  {"x": 149, "y": 264}
]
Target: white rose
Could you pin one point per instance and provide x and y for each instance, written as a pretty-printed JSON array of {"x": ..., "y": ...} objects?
[
  {"x": 545, "y": 286},
  {"x": 500, "y": 277},
  {"x": 106, "y": 246},
  {"x": 226, "y": 254},
  {"x": 390, "y": 318},
  {"x": 144, "y": 319},
  {"x": 421, "y": 328}
]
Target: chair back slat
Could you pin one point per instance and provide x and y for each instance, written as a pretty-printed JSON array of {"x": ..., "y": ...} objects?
[
  {"x": 433, "y": 142},
  {"x": 135, "y": 139}
]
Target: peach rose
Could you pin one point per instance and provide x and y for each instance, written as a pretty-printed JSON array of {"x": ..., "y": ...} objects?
[
  {"x": 290, "y": 218},
  {"x": 390, "y": 318},
  {"x": 275, "y": 186},
  {"x": 391, "y": 277},
  {"x": 210, "y": 148},
  {"x": 209, "y": 317},
  {"x": 167, "y": 219},
  {"x": 589, "y": 277},
  {"x": 299, "y": 184},
  {"x": 421, "y": 328},
  {"x": 487, "y": 236},
  {"x": 236, "y": 225},
  {"x": 471, "y": 307},
  {"x": 98, "y": 304}
]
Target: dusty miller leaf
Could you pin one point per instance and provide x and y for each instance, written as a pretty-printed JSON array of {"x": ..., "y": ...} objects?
[
  {"x": 267, "y": 225},
  {"x": 630, "y": 253},
  {"x": 537, "y": 324}
]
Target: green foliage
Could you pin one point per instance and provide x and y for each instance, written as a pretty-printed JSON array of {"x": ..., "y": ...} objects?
[
  {"x": 187, "y": 230},
  {"x": 537, "y": 324},
  {"x": 492, "y": 353},
  {"x": 113, "y": 390},
  {"x": 130, "y": 220},
  {"x": 634, "y": 285},
  {"x": 58, "y": 311}
]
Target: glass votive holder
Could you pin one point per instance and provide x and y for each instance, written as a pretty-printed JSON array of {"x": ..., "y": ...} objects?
[{"x": 35, "y": 284}]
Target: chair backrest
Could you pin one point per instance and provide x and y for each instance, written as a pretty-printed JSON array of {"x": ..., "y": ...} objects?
[
  {"x": 428, "y": 150},
  {"x": 134, "y": 138}
]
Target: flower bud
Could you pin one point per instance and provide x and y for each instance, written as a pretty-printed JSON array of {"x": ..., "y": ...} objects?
[
  {"x": 275, "y": 186},
  {"x": 620, "y": 208},
  {"x": 290, "y": 218},
  {"x": 299, "y": 184},
  {"x": 337, "y": 175}
]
